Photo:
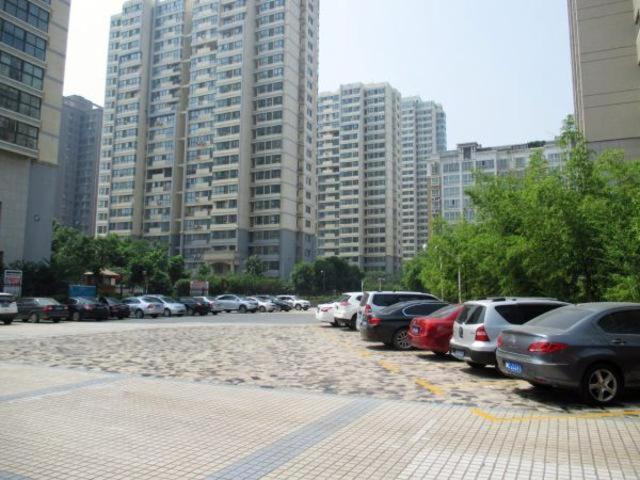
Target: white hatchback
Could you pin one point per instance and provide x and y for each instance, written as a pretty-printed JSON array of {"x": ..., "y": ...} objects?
[
  {"x": 346, "y": 313},
  {"x": 8, "y": 308},
  {"x": 325, "y": 313}
]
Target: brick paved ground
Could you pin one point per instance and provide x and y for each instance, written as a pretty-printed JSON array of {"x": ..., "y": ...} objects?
[{"x": 234, "y": 397}]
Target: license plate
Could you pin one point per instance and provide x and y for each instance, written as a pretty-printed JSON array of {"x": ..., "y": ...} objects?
[
  {"x": 415, "y": 330},
  {"x": 458, "y": 353},
  {"x": 513, "y": 367}
]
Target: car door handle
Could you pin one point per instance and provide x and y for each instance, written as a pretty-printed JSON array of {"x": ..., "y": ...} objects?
[{"x": 618, "y": 341}]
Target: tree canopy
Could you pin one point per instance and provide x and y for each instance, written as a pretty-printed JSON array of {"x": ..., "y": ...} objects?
[{"x": 571, "y": 232}]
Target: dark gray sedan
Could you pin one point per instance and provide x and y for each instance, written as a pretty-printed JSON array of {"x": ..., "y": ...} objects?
[{"x": 592, "y": 347}]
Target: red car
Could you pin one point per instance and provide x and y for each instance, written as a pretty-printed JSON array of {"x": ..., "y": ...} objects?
[{"x": 433, "y": 332}]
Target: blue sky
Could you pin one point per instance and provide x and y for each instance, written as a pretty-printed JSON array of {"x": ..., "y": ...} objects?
[{"x": 501, "y": 68}]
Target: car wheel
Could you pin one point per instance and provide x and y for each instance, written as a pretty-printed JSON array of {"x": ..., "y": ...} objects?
[
  {"x": 601, "y": 385},
  {"x": 166, "y": 313},
  {"x": 541, "y": 386},
  {"x": 139, "y": 314},
  {"x": 34, "y": 318},
  {"x": 401, "y": 339},
  {"x": 352, "y": 322},
  {"x": 75, "y": 316},
  {"x": 215, "y": 313},
  {"x": 298, "y": 307},
  {"x": 262, "y": 309},
  {"x": 476, "y": 365},
  {"x": 242, "y": 309},
  {"x": 334, "y": 324},
  {"x": 227, "y": 311},
  {"x": 8, "y": 321}
]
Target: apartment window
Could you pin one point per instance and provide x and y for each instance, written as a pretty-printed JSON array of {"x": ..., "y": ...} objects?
[
  {"x": 18, "y": 133},
  {"x": 20, "y": 39},
  {"x": 21, "y": 71},
  {"x": 27, "y": 12},
  {"x": 19, "y": 101}
]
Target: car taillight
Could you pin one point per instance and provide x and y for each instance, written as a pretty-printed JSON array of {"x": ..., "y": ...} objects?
[
  {"x": 373, "y": 321},
  {"x": 367, "y": 310},
  {"x": 546, "y": 347},
  {"x": 499, "y": 341},
  {"x": 481, "y": 334},
  {"x": 344, "y": 303},
  {"x": 48, "y": 308}
]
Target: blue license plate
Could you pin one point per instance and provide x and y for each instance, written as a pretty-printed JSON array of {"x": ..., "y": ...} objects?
[{"x": 513, "y": 367}]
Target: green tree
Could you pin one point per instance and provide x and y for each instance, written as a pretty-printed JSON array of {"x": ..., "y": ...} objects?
[{"x": 254, "y": 266}]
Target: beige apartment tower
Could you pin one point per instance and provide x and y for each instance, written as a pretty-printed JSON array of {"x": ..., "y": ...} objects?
[
  {"x": 359, "y": 175},
  {"x": 605, "y": 47},
  {"x": 209, "y": 134},
  {"x": 33, "y": 44}
]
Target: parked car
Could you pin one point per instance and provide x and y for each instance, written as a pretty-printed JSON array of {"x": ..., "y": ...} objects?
[
  {"x": 8, "y": 308},
  {"x": 237, "y": 303},
  {"x": 476, "y": 330},
  {"x": 325, "y": 312},
  {"x": 36, "y": 309},
  {"x": 214, "y": 307},
  {"x": 81, "y": 308},
  {"x": 142, "y": 306},
  {"x": 346, "y": 313},
  {"x": 592, "y": 347},
  {"x": 170, "y": 306},
  {"x": 195, "y": 305},
  {"x": 391, "y": 325},
  {"x": 281, "y": 305},
  {"x": 373, "y": 302},
  {"x": 117, "y": 308},
  {"x": 434, "y": 331},
  {"x": 295, "y": 302},
  {"x": 264, "y": 305}
]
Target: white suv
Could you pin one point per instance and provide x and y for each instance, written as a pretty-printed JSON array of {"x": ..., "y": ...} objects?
[
  {"x": 373, "y": 302},
  {"x": 295, "y": 302},
  {"x": 480, "y": 323},
  {"x": 346, "y": 312},
  {"x": 8, "y": 308}
]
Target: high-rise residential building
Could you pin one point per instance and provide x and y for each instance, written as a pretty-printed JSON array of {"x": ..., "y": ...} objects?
[
  {"x": 33, "y": 44},
  {"x": 423, "y": 133},
  {"x": 451, "y": 172},
  {"x": 209, "y": 134},
  {"x": 359, "y": 175},
  {"x": 78, "y": 155},
  {"x": 605, "y": 47}
]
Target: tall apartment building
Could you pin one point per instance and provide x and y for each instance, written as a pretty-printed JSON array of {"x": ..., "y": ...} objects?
[
  {"x": 209, "y": 134},
  {"x": 451, "y": 172},
  {"x": 423, "y": 133},
  {"x": 78, "y": 155},
  {"x": 359, "y": 175},
  {"x": 33, "y": 40},
  {"x": 605, "y": 47}
]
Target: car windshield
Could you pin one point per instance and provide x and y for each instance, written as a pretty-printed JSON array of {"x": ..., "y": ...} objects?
[
  {"x": 344, "y": 298},
  {"x": 561, "y": 318},
  {"x": 444, "y": 312}
]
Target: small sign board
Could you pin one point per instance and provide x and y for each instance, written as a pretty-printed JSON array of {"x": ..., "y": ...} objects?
[
  {"x": 13, "y": 282},
  {"x": 87, "y": 291},
  {"x": 199, "y": 287}
]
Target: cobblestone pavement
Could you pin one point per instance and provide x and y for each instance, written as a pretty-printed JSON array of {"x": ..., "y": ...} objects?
[{"x": 237, "y": 397}]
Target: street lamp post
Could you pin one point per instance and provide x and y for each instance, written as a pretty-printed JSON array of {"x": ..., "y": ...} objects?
[
  {"x": 324, "y": 286},
  {"x": 380, "y": 283},
  {"x": 146, "y": 283}
]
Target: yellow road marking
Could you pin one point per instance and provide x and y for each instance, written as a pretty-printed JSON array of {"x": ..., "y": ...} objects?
[
  {"x": 364, "y": 353},
  {"x": 583, "y": 416},
  {"x": 389, "y": 366},
  {"x": 428, "y": 386}
]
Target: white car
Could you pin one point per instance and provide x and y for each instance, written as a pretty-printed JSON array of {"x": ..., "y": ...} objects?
[
  {"x": 346, "y": 313},
  {"x": 325, "y": 313},
  {"x": 140, "y": 307},
  {"x": 295, "y": 302},
  {"x": 264, "y": 305},
  {"x": 8, "y": 308},
  {"x": 169, "y": 305}
]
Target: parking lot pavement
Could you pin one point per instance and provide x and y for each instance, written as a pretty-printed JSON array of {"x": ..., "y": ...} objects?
[{"x": 279, "y": 396}]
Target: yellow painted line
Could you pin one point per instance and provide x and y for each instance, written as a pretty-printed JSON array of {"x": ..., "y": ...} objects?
[
  {"x": 529, "y": 418},
  {"x": 364, "y": 353},
  {"x": 428, "y": 386},
  {"x": 389, "y": 366}
]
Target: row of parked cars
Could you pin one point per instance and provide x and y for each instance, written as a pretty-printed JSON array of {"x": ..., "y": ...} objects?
[
  {"x": 593, "y": 348},
  {"x": 36, "y": 309}
]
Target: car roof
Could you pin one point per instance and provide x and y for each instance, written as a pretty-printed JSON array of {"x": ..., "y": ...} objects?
[
  {"x": 513, "y": 300},
  {"x": 603, "y": 306},
  {"x": 396, "y": 292}
]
